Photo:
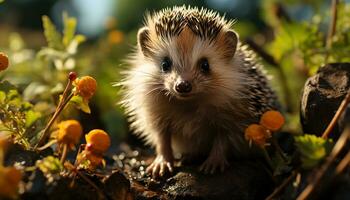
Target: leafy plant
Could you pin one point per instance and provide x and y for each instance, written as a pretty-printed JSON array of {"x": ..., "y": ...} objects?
[
  {"x": 312, "y": 149},
  {"x": 18, "y": 117}
]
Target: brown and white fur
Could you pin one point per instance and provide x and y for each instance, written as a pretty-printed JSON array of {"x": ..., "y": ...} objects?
[{"x": 209, "y": 120}]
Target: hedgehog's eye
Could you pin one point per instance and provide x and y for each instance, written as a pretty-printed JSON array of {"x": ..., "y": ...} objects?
[
  {"x": 204, "y": 65},
  {"x": 166, "y": 64}
]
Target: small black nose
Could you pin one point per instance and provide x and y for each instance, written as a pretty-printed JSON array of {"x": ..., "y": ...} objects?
[{"x": 183, "y": 87}]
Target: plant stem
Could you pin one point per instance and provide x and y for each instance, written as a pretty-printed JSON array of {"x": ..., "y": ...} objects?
[
  {"x": 332, "y": 27},
  {"x": 63, "y": 102},
  {"x": 343, "y": 164},
  {"x": 340, "y": 110},
  {"x": 333, "y": 23},
  {"x": 341, "y": 143},
  {"x": 279, "y": 150},
  {"x": 267, "y": 158},
  {"x": 47, "y": 145},
  {"x": 2, "y": 156},
  {"x": 280, "y": 188},
  {"x": 64, "y": 153}
]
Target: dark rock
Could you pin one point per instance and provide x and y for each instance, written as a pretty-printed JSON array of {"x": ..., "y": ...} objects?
[
  {"x": 322, "y": 96},
  {"x": 116, "y": 185},
  {"x": 16, "y": 154},
  {"x": 141, "y": 192},
  {"x": 39, "y": 187},
  {"x": 244, "y": 180}
]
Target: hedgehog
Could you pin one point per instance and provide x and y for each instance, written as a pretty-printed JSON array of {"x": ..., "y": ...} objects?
[{"x": 192, "y": 88}]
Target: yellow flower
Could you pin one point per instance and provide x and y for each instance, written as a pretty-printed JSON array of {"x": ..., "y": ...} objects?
[
  {"x": 272, "y": 120},
  {"x": 4, "y": 61},
  {"x": 257, "y": 134},
  {"x": 9, "y": 180},
  {"x": 97, "y": 141},
  {"x": 86, "y": 87},
  {"x": 69, "y": 132}
]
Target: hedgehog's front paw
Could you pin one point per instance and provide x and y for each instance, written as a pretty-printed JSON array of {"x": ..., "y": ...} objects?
[
  {"x": 160, "y": 166},
  {"x": 212, "y": 164}
]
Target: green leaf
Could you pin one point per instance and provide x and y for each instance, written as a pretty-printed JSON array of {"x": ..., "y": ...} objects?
[
  {"x": 14, "y": 99},
  {"x": 81, "y": 103},
  {"x": 73, "y": 45},
  {"x": 70, "y": 24},
  {"x": 16, "y": 42},
  {"x": 31, "y": 118},
  {"x": 313, "y": 149},
  {"x": 2, "y": 97},
  {"x": 49, "y": 165},
  {"x": 6, "y": 86},
  {"x": 53, "y": 37}
]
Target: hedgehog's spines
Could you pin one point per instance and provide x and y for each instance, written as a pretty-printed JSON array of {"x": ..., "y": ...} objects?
[{"x": 204, "y": 23}]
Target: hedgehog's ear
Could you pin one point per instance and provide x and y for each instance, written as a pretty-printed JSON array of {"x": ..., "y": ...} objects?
[
  {"x": 143, "y": 39},
  {"x": 231, "y": 41}
]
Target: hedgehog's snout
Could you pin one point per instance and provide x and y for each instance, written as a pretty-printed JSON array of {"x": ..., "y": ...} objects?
[{"x": 183, "y": 87}]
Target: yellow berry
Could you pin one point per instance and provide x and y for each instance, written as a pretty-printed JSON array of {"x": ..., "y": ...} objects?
[
  {"x": 69, "y": 132},
  {"x": 86, "y": 86},
  {"x": 4, "y": 61},
  {"x": 97, "y": 141},
  {"x": 272, "y": 120},
  {"x": 257, "y": 134}
]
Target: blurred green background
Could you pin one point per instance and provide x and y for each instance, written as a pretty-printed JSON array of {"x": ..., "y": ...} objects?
[{"x": 285, "y": 33}]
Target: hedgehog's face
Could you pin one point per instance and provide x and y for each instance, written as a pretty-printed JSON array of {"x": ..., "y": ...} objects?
[{"x": 188, "y": 65}]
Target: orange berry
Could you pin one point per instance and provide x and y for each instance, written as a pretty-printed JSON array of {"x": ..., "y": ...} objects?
[
  {"x": 9, "y": 180},
  {"x": 257, "y": 134},
  {"x": 272, "y": 120},
  {"x": 89, "y": 160},
  {"x": 115, "y": 37},
  {"x": 13, "y": 175},
  {"x": 69, "y": 132},
  {"x": 4, "y": 61},
  {"x": 4, "y": 141},
  {"x": 95, "y": 160},
  {"x": 86, "y": 86},
  {"x": 97, "y": 141}
]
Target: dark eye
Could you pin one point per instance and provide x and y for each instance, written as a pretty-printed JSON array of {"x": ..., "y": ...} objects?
[
  {"x": 204, "y": 65},
  {"x": 166, "y": 64}
]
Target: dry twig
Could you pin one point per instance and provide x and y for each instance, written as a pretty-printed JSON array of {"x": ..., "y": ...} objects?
[
  {"x": 322, "y": 170},
  {"x": 340, "y": 110}
]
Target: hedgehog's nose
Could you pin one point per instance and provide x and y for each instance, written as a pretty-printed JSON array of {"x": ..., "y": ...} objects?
[{"x": 183, "y": 87}]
